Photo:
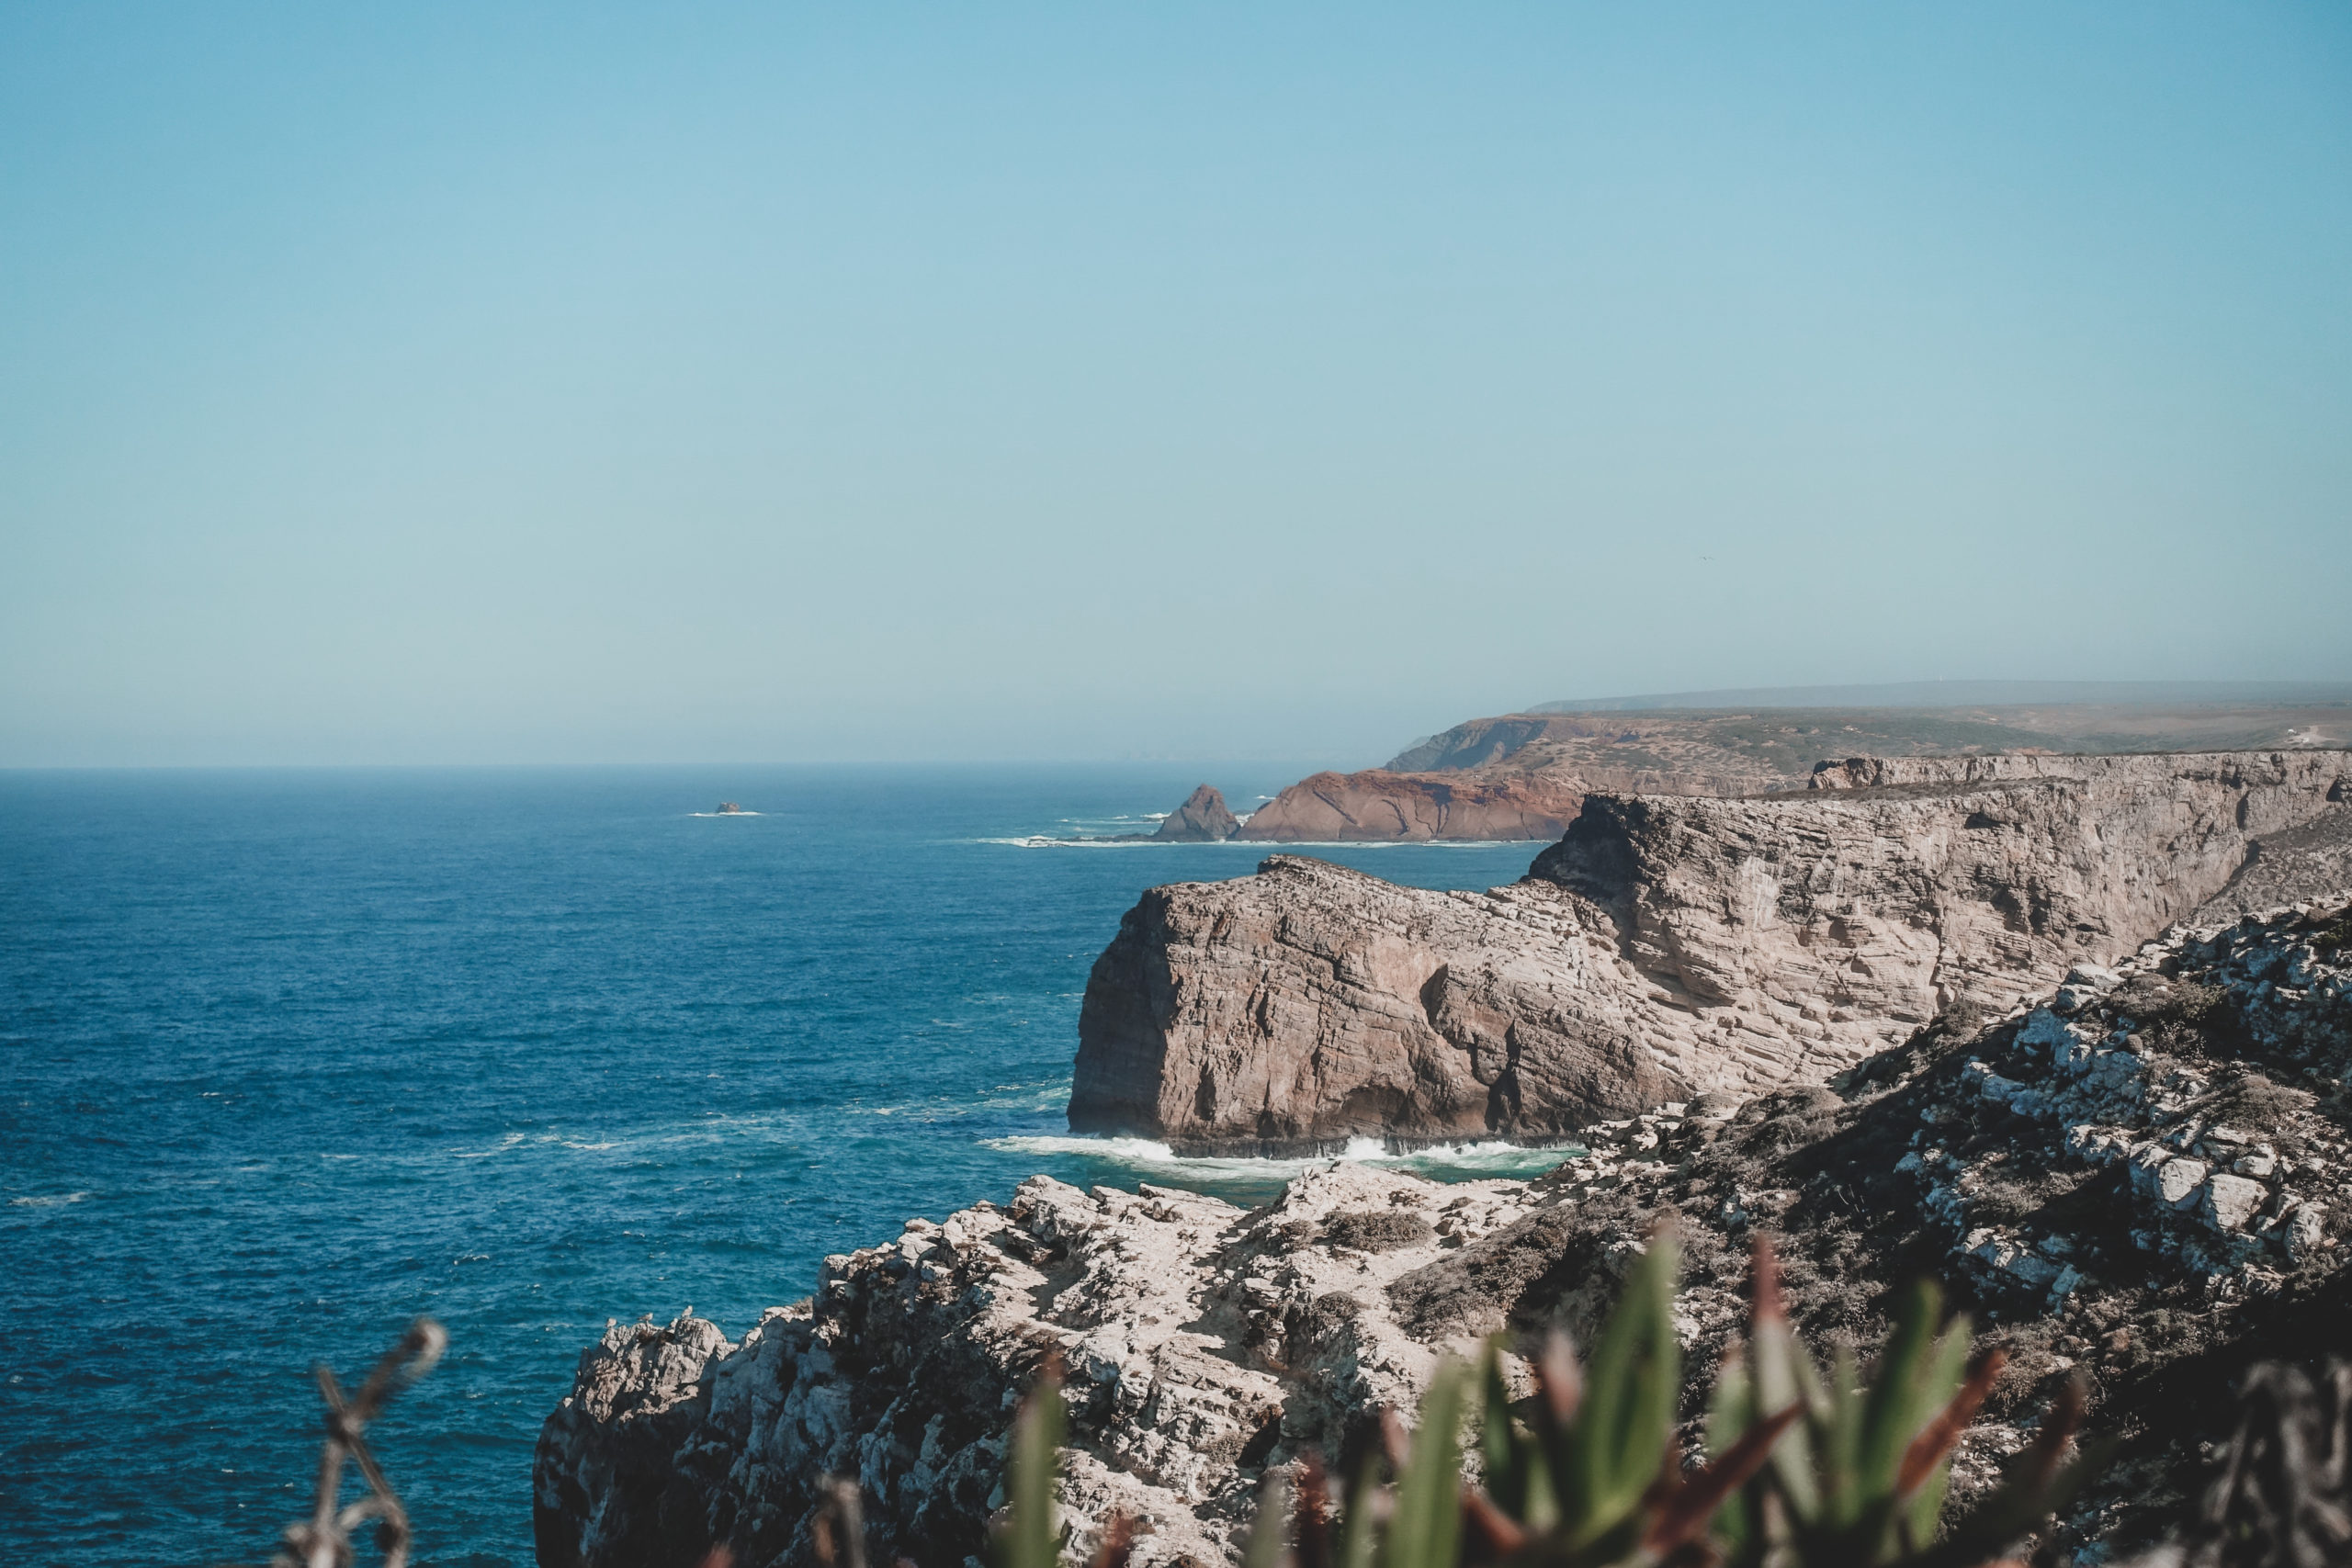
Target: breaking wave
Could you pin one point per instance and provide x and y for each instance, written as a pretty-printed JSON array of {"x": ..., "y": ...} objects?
[
  {"x": 1261, "y": 846},
  {"x": 1155, "y": 1160}
]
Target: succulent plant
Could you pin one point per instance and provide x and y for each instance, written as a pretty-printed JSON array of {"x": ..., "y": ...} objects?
[{"x": 1860, "y": 1478}]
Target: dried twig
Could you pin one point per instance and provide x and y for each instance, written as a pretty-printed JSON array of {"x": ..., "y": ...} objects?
[
  {"x": 323, "y": 1540},
  {"x": 838, "y": 1530},
  {"x": 2284, "y": 1497}
]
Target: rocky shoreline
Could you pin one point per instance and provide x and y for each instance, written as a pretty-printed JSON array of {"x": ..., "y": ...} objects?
[{"x": 2144, "y": 1178}]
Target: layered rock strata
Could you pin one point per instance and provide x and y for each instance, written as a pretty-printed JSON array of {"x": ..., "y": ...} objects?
[
  {"x": 1665, "y": 947},
  {"x": 1377, "y": 805},
  {"x": 2143, "y": 1181}
]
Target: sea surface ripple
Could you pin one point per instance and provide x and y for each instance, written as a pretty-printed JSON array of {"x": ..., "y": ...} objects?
[{"x": 288, "y": 1057}]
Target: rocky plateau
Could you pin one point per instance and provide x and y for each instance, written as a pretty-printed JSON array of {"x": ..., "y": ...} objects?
[
  {"x": 1524, "y": 776},
  {"x": 1670, "y": 946}
]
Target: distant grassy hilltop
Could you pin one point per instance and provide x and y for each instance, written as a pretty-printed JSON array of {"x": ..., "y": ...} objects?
[{"x": 1524, "y": 776}]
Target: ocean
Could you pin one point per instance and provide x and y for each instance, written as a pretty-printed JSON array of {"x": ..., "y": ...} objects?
[{"x": 288, "y": 1057}]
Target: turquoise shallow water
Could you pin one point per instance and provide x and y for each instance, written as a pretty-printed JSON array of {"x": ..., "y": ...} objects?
[{"x": 287, "y": 1058}]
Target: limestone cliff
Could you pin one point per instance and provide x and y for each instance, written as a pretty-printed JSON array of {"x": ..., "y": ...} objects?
[
  {"x": 1664, "y": 947},
  {"x": 2140, "y": 1180}
]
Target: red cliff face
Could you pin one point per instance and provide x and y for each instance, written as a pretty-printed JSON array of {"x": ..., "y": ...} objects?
[
  {"x": 1415, "y": 808},
  {"x": 1524, "y": 776},
  {"x": 1379, "y": 805}
]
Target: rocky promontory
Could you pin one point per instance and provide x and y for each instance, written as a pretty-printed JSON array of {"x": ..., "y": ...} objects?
[
  {"x": 1378, "y": 805},
  {"x": 1665, "y": 947},
  {"x": 2141, "y": 1180},
  {"x": 1524, "y": 775}
]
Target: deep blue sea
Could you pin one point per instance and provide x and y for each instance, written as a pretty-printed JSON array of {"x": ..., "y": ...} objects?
[{"x": 288, "y": 1057}]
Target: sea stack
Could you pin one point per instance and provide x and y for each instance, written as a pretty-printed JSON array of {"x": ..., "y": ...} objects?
[{"x": 1202, "y": 820}]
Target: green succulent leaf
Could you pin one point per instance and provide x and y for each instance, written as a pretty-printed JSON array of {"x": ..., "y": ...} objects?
[
  {"x": 1425, "y": 1529},
  {"x": 1620, "y": 1432},
  {"x": 1508, "y": 1457}
]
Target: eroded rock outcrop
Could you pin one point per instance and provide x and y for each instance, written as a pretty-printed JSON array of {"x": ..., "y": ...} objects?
[
  {"x": 2143, "y": 1178},
  {"x": 1666, "y": 946},
  {"x": 1203, "y": 819},
  {"x": 1202, "y": 1343},
  {"x": 1377, "y": 805}
]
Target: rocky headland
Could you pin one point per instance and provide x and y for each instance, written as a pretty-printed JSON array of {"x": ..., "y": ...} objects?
[
  {"x": 1382, "y": 805},
  {"x": 2143, "y": 1178},
  {"x": 1669, "y": 946},
  {"x": 1524, "y": 776}
]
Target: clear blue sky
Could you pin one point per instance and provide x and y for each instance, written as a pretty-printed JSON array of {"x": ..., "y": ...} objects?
[{"x": 491, "y": 382}]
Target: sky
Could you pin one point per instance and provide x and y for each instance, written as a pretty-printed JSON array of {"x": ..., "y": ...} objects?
[{"x": 492, "y": 382}]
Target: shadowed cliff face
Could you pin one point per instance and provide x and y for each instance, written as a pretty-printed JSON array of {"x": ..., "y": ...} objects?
[
  {"x": 1664, "y": 947},
  {"x": 1310, "y": 1002}
]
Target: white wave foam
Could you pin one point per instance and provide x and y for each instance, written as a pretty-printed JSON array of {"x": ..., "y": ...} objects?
[
  {"x": 504, "y": 1143},
  {"x": 1072, "y": 1144},
  {"x": 1259, "y": 846},
  {"x": 48, "y": 1201},
  {"x": 727, "y": 814},
  {"x": 1493, "y": 1159},
  {"x": 1040, "y": 842}
]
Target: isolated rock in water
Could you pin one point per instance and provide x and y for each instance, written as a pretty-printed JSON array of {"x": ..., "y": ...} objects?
[
  {"x": 2015, "y": 1163},
  {"x": 1665, "y": 947},
  {"x": 1203, "y": 818},
  {"x": 1205, "y": 1345}
]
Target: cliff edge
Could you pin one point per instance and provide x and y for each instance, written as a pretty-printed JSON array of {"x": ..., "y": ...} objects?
[
  {"x": 2140, "y": 1182},
  {"x": 1665, "y": 947}
]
